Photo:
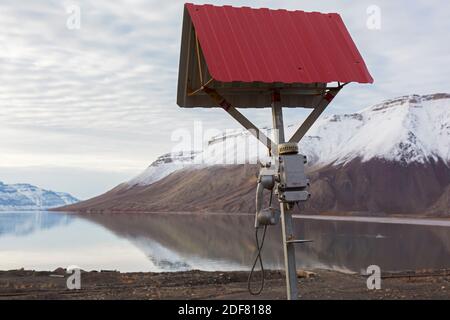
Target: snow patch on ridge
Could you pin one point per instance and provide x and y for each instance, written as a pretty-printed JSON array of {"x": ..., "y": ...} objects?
[{"x": 162, "y": 167}]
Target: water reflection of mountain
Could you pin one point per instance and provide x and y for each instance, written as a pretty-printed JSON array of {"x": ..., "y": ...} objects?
[
  {"x": 220, "y": 240},
  {"x": 24, "y": 223},
  {"x": 339, "y": 245}
]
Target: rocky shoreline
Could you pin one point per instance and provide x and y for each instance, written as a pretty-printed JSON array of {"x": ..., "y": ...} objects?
[{"x": 319, "y": 284}]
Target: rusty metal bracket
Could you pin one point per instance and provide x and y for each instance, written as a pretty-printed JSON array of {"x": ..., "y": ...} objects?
[
  {"x": 239, "y": 117},
  {"x": 327, "y": 97}
]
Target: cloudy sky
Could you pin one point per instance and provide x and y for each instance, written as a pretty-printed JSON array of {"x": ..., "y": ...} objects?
[{"x": 82, "y": 110}]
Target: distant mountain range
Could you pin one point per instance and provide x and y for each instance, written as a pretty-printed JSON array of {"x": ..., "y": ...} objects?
[
  {"x": 390, "y": 158},
  {"x": 23, "y": 196}
]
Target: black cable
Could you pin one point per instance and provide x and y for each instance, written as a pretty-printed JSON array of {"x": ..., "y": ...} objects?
[{"x": 258, "y": 257}]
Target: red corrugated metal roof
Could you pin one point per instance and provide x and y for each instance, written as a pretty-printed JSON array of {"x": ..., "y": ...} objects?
[{"x": 263, "y": 45}]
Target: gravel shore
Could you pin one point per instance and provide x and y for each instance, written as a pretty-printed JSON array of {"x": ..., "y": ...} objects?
[{"x": 319, "y": 284}]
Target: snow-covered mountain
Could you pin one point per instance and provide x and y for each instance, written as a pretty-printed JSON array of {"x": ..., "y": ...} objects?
[
  {"x": 28, "y": 197},
  {"x": 409, "y": 129},
  {"x": 163, "y": 166},
  {"x": 406, "y": 130},
  {"x": 393, "y": 157}
]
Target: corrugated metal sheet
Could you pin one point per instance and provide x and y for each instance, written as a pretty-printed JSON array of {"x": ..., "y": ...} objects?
[{"x": 262, "y": 45}]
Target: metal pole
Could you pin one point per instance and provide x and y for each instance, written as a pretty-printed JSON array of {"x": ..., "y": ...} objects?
[
  {"x": 277, "y": 119},
  {"x": 289, "y": 254},
  {"x": 286, "y": 216}
]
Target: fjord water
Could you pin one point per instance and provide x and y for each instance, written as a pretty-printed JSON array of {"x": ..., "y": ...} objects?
[{"x": 176, "y": 242}]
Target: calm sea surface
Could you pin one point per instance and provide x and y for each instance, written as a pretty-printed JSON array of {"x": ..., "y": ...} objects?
[{"x": 174, "y": 242}]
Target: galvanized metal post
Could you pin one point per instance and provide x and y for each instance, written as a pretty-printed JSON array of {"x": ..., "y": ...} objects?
[
  {"x": 277, "y": 119},
  {"x": 286, "y": 216},
  {"x": 289, "y": 254}
]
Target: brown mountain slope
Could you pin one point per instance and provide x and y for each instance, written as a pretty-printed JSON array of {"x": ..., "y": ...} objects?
[
  {"x": 380, "y": 186},
  {"x": 376, "y": 186},
  {"x": 217, "y": 188}
]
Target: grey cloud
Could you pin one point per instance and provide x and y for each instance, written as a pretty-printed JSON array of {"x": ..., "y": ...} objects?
[{"x": 107, "y": 91}]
